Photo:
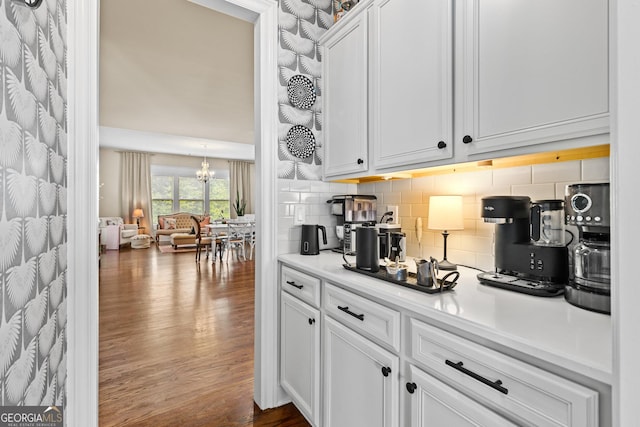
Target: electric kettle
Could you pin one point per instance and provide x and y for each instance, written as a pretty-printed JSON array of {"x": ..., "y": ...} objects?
[{"x": 309, "y": 244}]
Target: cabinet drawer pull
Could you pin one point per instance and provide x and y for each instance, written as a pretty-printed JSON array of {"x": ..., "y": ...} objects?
[
  {"x": 292, "y": 283},
  {"x": 312, "y": 321},
  {"x": 497, "y": 384},
  {"x": 411, "y": 387},
  {"x": 442, "y": 145},
  {"x": 386, "y": 371},
  {"x": 467, "y": 139},
  {"x": 360, "y": 161},
  {"x": 346, "y": 310}
]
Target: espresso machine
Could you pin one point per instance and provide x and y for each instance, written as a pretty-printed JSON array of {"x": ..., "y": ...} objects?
[
  {"x": 587, "y": 207},
  {"x": 530, "y": 253},
  {"x": 352, "y": 211}
]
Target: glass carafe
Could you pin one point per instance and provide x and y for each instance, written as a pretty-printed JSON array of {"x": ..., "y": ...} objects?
[
  {"x": 547, "y": 223},
  {"x": 592, "y": 263}
]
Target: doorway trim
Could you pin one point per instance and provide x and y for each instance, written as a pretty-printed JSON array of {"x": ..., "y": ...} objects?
[{"x": 82, "y": 281}]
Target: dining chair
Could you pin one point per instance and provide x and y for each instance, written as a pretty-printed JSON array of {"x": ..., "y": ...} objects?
[
  {"x": 201, "y": 239},
  {"x": 237, "y": 239}
]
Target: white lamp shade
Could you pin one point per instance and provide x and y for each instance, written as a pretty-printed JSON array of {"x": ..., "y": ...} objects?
[
  {"x": 137, "y": 213},
  {"x": 445, "y": 213}
]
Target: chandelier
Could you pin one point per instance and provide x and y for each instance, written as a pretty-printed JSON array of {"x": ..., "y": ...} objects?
[{"x": 203, "y": 175}]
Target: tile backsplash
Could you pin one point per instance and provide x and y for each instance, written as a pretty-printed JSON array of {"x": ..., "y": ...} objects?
[{"x": 472, "y": 246}]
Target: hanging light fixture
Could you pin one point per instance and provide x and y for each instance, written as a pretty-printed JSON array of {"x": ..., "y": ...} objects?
[{"x": 204, "y": 174}]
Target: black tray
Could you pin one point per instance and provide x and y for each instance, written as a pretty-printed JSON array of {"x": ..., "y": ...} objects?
[{"x": 411, "y": 282}]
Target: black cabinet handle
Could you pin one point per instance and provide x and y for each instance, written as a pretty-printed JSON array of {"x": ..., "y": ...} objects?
[
  {"x": 312, "y": 321},
  {"x": 386, "y": 371},
  {"x": 442, "y": 145},
  {"x": 411, "y": 387},
  {"x": 467, "y": 139},
  {"x": 346, "y": 310},
  {"x": 360, "y": 161},
  {"x": 292, "y": 283},
  {"x": 493, "y": 384}
]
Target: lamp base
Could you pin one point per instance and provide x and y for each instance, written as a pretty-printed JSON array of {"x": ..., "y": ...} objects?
[{"x": 446, "y": 265}]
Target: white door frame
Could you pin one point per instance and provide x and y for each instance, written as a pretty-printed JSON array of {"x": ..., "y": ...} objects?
[{"x": 82, "y": 281}]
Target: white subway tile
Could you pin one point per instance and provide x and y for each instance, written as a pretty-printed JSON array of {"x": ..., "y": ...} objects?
[
  {"x": 485, "y": 262},
  {"x": 554, "y": 172},
  {"x": 595, "y": 170},
  {"x": 392, "y": 198},
  {"x": 400, "y": 185},
  {"x": 288, "y": 197},
  {"x": 283, "y": 184},
  {"x": 368, "y": 188},
  {"x": 512, "y": 176},
  {"x": 496, "y": 190},
  {"x": 535, "y": 191},
  {"x": 425, "y": 183},
  {"x": 383, "y": 187},
  {"x": 298, "y": 185},
  {"x": 403, "y": 210},
  {"x": 421, "y": 209},
  {"x": 561, "y": 187},
  {"x": 319, "y": 187},
  {"x": 409, "y": 197}
]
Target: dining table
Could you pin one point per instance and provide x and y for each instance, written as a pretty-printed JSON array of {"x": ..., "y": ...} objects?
[{"x": 220, "y": 230}]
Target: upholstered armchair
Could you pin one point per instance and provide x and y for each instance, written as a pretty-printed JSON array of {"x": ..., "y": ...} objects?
[{"x": 114, "y": 232}]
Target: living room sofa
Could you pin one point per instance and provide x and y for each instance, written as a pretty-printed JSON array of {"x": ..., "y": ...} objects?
[
  {"x": 177, "y": 223},
  {"x": 114, "y": 232}
]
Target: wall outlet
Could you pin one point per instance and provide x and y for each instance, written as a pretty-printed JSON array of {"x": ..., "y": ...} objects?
[
  {"x": 299, "y": 214},
  {"x": 394, "y": 215}
]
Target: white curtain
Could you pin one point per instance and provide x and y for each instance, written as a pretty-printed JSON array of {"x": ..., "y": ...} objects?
[
  {"x": 135, "y": 187},
  {"x": 242, "y": 182}
]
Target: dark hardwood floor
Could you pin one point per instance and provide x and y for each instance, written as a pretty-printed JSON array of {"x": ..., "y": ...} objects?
[{"x": 176, "y": 343}]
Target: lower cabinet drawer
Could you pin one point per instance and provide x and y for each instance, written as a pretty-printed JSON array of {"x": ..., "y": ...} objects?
[
  {"x": 378, "y": 322},
  {"x": 433, "y": 403},
  {"x": 524, "y": 392},
  {"x": 303, "y": 286}
]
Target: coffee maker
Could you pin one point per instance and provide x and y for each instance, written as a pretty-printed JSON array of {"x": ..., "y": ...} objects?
[
  {"x": 353, "y": 211},
  {"x": 537, "y": 266},
  {"x": 587, "y": 207}
]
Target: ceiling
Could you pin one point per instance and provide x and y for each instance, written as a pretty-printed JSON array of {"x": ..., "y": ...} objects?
[{"x": 175, "y": 77}]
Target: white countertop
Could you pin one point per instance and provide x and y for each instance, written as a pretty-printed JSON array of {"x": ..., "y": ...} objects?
[{"x": 549, "y": 329}]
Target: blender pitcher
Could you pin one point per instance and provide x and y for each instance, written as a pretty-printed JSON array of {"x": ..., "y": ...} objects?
[{"x": 547, "y": 223}]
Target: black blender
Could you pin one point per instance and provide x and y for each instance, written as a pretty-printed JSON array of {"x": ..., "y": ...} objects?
[{"x": 587, "y": 207}]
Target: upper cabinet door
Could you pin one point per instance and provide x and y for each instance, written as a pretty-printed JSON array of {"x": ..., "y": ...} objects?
[
  {"x": 411, "y": 82},
  {"x": 531, "y": 72},
  {"x": 345, "y": 99}
]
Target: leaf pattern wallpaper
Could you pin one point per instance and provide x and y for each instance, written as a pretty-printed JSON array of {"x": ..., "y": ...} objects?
[
  {"x": 301, "y": 23},
  {"x": 33, "y": 205}
]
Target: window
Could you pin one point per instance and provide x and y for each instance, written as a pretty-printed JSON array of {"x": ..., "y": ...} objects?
[
  {"x": 177, "y": 190},
  {"x": 219, "y": 198},
  {"x": 162, "y": 195},
  {"x": 190, "y": 195}
]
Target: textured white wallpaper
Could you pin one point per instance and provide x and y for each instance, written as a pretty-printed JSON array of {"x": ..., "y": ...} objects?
[
  {"x": 33, "y": 202},
  {"x": 301, "y": 24}
]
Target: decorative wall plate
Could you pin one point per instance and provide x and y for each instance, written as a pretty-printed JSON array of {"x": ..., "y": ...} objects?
[
  {"x": 300, "y": 141},
  {"x": 301, "y": 92}
]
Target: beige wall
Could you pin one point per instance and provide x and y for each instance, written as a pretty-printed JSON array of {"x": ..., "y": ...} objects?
[
  {"x": 110, "y": 175},
  {"x": 174, "y": 67}
]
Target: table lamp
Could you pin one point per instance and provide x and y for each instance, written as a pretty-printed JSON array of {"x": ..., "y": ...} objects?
[
  {"x": 445, "y": 213},
  {"x": 137, "y": 214}
]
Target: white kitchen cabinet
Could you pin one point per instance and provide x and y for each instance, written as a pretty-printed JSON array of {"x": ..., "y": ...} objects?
[
  {"x": 361, "y": 380},
  {"x": 411, "y": 95},
  {"x": 530, "y": 72},
  {"x": 435, "y": 404},
  {"x": 300, "y": 355},
  {"x": 530, "y": 395},
  {"x": 345, "y": 100}
]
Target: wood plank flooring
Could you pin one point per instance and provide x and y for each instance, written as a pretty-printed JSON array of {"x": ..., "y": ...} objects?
[{"x": 176, "y": 343}]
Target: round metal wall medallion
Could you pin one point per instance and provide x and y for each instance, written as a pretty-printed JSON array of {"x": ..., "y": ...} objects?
[
  {"x": 301, "y": 92},
  {"x": 300, "y": 141}
]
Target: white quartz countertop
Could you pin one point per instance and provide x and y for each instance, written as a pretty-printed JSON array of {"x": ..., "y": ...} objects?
[{"x": 549, "y": 329}]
